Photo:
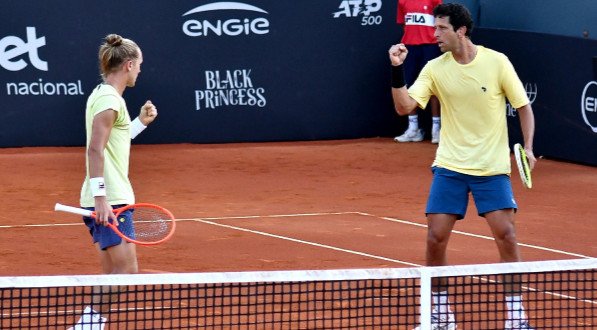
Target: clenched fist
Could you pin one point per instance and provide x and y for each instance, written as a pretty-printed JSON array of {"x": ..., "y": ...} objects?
[
  {"x": 148, "y": 113},
  {"x": 398, "y": 54}
]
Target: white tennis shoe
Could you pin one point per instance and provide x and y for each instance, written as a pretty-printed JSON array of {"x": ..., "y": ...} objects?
[
  {"x": 441, "y": 321},
  {"x": 518, "y": 324},
  {"x": 90, "y": 320},
  {"x": 410, "y": 136}
]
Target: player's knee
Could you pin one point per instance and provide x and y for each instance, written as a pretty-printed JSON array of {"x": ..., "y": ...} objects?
[
  {"x": 436, "y": 240},
  {"x": 506, "y": 237},
  {"x": 126, "y": 269}
]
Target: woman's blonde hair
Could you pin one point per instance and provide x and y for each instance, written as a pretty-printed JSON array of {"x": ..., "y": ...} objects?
[{"x": 114, "y": 51}]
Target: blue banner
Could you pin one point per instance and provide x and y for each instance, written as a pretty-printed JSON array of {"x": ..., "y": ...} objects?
[
  {"x": 558, "y": 74},
  {"x": 217, "y": 71},
  {"x": 260, "y": 71}
]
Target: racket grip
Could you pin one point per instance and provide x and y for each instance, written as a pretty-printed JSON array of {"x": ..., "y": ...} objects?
[{"x": 70, "y": 209}]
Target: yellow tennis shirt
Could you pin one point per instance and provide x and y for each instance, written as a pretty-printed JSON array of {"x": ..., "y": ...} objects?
[
  {"x": 474, "y": 133},
  {"x": 116, "y": 155}
]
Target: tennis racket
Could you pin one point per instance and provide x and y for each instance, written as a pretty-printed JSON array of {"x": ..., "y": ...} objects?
[
  {"x": 152, "y": 224},
  {"x": 523, "y": 165}
]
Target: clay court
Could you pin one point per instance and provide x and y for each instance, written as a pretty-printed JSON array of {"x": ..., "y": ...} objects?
[{"x": 281, "y": 206}]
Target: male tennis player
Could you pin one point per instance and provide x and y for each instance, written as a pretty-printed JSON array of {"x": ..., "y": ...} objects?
[
  {"x": 472, "y": 83},
  {"x": 107, "y": 186}
]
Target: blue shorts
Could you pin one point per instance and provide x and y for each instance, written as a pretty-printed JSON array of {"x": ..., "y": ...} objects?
[
  {"x": 449, "y": 193},
  {"x": 105, "y": 236}
]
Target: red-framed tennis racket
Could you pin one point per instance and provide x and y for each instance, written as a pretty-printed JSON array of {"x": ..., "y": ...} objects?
[{"x": 152, "y": 224}]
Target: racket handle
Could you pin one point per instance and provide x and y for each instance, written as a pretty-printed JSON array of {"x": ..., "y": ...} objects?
[{"x": 70, "y": 209}]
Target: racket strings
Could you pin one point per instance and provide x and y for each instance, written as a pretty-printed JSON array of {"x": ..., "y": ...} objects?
[
  {"x": 151, "y": 224},
  {"x": 523, "y": 165}
]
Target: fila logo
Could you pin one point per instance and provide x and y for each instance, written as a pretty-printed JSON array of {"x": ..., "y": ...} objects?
[{"x": 419, "y": 19}]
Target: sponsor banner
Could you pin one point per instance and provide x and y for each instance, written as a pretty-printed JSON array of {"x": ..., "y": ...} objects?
[
  {"x": 562, "y": 93},
  {"x": 38, "y": 89},
  {"x": 250, "y": 70},
  {"x": 588, "y": 105},
  {"x": 219, "y": 71},
  {"x": 365, "y": 12},
  {"x": 253, "y": 20},
  {"x": 22, "y": 53},
  {"x": 229, "y": 88}
]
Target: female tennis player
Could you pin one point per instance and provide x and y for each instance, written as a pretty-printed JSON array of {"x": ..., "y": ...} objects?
[{"x": 109, "y": 132}]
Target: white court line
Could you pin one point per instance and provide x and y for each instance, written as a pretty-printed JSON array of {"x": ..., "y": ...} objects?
[
  {"x": 275, "y": 216},
  {"x": 388, "y": 259},
  {"x": 306, "y": 242},
  {"x": 537, "y": 247},
  {"x": 194, "y": 219},
  {"x": 42, "y": 225},
  {"x": 210, "y": 222}
]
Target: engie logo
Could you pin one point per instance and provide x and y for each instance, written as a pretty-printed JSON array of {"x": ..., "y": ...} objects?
[
  {"x": 588, "y": 105},
  {"x": 12, "y": 47},
  {"x": 229, "y": 88},
  {"x": 531, "y": 90},
  {"x": 364, "y": 8},
  {"x": 230, "y": 27}
]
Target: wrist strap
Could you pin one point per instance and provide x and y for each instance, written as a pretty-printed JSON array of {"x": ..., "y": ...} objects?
[
  {"x": 136, "y": 127},
  {"x": 398, "y": 76},
  {"x": 98, "y": 187}
]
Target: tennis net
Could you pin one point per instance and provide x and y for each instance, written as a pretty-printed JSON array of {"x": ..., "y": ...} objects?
[{"x": 556, "y": 295}]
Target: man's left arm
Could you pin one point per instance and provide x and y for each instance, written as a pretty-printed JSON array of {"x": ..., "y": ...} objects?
[{"x": 527, "y": 125}]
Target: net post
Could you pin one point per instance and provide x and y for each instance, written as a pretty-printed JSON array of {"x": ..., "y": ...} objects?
[{"x": 425, "y": 301}]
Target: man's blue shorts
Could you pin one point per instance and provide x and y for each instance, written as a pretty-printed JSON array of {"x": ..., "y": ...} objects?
[
  {"x": 105, "y": 236},
  {"x": 449, "y": 193}
]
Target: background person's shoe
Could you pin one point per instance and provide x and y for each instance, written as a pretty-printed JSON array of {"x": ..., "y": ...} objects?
[
  {"x": 410, "y": 136},
  {"x": 435, "y": 136}
]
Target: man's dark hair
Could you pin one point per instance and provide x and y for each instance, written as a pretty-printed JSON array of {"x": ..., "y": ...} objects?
[{"x": 457, "y": 14}]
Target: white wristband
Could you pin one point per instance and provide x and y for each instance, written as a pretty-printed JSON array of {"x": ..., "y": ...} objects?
[
  {"x": 136, "y": 127},
  {"x": 98, "y": 187}
]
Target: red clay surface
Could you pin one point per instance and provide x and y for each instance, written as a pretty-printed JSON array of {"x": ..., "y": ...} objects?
[{"x": 280, "y": 206}]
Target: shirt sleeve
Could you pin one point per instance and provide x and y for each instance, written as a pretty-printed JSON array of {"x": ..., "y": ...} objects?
[
  {"x": 422, "y": 89},
  {"x": 512, "y": 86},
  {"x": 106, "y": 102}
]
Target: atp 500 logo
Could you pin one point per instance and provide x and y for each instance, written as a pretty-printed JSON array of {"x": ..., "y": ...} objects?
[
  {"x": 360, "y": 8},
  {"x": 232, "y": 26},
  {"x": 588, "y": 105}
]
